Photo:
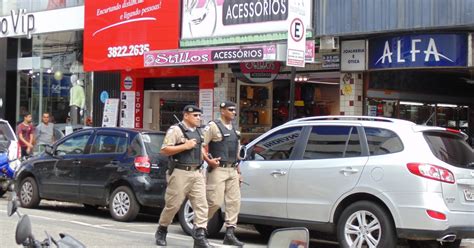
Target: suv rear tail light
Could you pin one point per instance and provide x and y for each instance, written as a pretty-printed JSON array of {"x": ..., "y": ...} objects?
[
  {"x": 436, "y": 215},
  {"x": 142, "y": 164},
  {"x": 453, "y": 130},
  {"x": 432, "y": 172}
]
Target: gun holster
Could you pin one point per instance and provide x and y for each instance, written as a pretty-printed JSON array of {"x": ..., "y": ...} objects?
[{"x": 171, "y": 166}]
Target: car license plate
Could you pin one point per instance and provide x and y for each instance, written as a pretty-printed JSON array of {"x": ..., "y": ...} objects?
[{"x": 469, "y": 194}]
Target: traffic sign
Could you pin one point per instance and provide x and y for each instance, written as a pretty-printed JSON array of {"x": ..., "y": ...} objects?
[{"x": 296, "y": 48}]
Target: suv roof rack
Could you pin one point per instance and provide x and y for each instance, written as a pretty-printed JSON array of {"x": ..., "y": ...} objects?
[{"x": 345, "y": 117}]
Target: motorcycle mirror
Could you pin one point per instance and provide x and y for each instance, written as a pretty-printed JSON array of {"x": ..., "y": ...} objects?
[
  {"x": 290, "y": 237},
  {"x": 23, "y": 229},
  {"x": 11, "y": 207}
]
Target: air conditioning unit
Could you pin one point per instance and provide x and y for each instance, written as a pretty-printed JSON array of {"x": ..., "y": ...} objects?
[{"x": 329, "y": 43}]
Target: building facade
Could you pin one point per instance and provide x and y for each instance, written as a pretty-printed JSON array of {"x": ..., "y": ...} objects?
[{"x": 41, "y": 49}]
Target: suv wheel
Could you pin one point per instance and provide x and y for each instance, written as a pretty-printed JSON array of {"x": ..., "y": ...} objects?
[
  {"x": 29, "y": 195},
  {"x": 122, "y": 204},
  {"x": 365, "y": 223},
  {"x": 186, "y": 218}
]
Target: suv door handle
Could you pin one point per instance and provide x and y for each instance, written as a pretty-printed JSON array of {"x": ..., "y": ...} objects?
[
  {"x": 115, "y": 162},
  {"x": 276, "y": 173},
  {"x": 76, "y": 162},
  {"x": 349, "y": 170}
]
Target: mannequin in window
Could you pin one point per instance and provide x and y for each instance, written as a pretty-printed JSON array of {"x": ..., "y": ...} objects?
[{"x": 76, "y": 100}]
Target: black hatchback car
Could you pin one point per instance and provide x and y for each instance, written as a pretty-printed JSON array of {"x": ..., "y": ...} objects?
[{"x": 115, "y": 167}]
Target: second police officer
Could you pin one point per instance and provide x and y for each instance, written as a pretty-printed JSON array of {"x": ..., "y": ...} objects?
[
  {"x": 183, "y": 142},
  {"x": 223, "y": 178}
]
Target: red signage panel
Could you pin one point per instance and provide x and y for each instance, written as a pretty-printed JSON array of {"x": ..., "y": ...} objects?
[{"x": 118, "y": 32}]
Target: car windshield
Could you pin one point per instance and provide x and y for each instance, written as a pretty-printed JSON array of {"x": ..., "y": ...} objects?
[
  {"x": 153, "y": 142},
  {"x": 450, "y": 148}
]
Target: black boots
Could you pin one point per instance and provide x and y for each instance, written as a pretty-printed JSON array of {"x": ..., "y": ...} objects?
[
  {"x": 230, "y": 238},
  {"x": 160, "y": 235},
  {"x": 200, "y": 240}
]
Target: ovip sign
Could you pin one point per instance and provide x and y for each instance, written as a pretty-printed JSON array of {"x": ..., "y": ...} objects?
[{"x": 426, "y": 50}]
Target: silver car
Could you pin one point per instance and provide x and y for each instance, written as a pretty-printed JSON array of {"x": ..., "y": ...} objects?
[{"x": 369, "y": 180}]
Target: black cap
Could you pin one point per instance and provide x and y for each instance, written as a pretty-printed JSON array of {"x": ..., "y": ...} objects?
[
  {"x": 191, "y": 109},
  {"x": 227, "y": 104}
]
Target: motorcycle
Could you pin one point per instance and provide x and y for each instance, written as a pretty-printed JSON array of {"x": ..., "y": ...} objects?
[
  {"x": 24, "y": 235},
  {"x": 7, "y": 171}
]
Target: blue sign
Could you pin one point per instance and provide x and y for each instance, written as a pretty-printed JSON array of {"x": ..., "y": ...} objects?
[
  {"x": 425, "y": 50},
  {"x": 104, "y": 95}
]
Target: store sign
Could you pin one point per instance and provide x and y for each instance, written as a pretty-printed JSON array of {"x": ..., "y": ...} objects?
[
  {"x": 18, "y": 23},
  {"x": 204, "y": 19},
  {"x": 117, "y": 33},
  {"x": 429, "y": 50},
  {"x": 256, "y": 72},
  {"x": 21, "y": 23},
  {"x": 353, "y": 55},
  {"x": 211, "y": 55},
  {"x": 330, "y": 61},
  {"x": 128, "y": 83},
  {"x": 110, "y": 114},
  {"x": 127, "y": 109}
]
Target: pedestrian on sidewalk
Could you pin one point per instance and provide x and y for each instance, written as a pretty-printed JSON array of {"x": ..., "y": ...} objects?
[
  {"x": 183, "y": 143},
  {"x": 223, "y": 177}
]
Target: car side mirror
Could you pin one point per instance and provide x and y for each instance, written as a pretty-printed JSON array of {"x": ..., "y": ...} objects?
[
  {"x": 243, "y": 152},
  {"x": 290, "y": 237},
  {"x": 48, "y": 149}
]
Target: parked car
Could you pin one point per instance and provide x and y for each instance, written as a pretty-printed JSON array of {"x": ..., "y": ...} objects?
[
  {"x": 114, "y": 167},
  {"x": 369, "y": 180},
  {"x": 9, "y": 155}
]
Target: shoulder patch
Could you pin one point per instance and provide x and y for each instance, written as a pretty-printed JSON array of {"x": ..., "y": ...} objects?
[{"x": 207, "y": 128}]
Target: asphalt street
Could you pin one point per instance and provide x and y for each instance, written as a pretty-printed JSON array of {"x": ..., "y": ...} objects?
[{"x": 95, "y": 228}]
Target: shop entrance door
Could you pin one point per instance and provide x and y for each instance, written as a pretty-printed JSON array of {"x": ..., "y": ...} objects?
[{"x": 161, "y": 105}]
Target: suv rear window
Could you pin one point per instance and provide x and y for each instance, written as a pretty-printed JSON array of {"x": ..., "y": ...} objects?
[
  {"x": 450, "y": 148},
  {"x": 382, "y": 141}
]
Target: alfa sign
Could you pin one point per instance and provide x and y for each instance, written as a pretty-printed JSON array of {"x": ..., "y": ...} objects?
[{"x": 429, "y": 50}]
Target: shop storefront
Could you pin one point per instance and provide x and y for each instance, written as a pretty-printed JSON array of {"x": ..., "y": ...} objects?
[
  {"x": 423, "y": 78},
  {"x": 44, "y": 61},
  {"x": 117, "y": 35}
]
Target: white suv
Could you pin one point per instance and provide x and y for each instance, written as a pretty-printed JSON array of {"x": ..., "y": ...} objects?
[{"x": 369, "y": 180}]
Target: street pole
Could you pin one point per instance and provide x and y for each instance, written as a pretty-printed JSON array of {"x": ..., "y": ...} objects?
[{"x": 291, "y": 102}]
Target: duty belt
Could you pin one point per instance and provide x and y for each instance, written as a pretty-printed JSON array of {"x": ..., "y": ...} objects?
[
  {"x": 187, "y": 167},
  {"x": 228, "y": 165}
]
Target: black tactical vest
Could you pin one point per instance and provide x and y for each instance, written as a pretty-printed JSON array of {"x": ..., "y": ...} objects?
[
  {"x": 226, "y": 149},
  {"x": 192, "y": 156}
]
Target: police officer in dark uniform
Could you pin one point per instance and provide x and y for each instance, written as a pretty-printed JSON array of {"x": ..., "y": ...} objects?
[
  {"x": 223, "y": 178},
  {"x": 183, "y": 142}
]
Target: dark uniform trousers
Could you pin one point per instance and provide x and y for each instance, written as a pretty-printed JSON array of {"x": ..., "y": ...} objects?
[{"x": 182, "y": 184}]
